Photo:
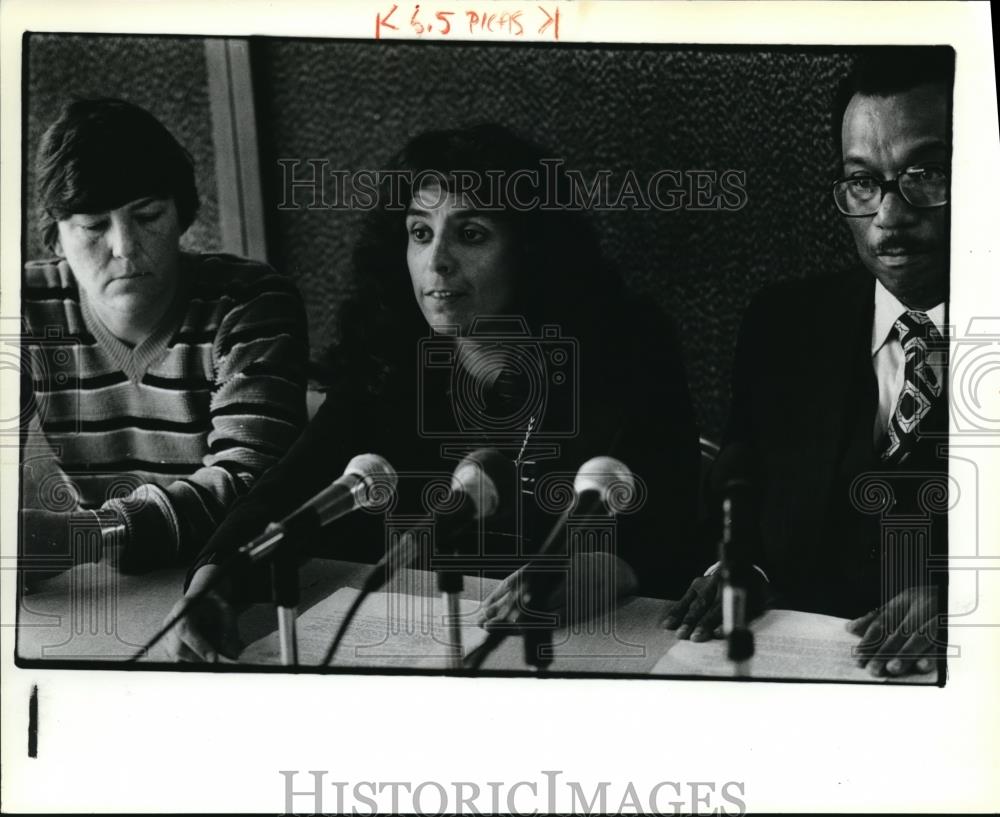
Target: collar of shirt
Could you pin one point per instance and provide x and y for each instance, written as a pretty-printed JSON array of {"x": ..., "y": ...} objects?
[{"x": 888, "y": 308}]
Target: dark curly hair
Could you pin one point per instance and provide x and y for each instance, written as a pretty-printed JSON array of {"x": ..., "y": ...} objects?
[
  {"x": 102, "y": 153},
  {"x": 562, "y": 279}
]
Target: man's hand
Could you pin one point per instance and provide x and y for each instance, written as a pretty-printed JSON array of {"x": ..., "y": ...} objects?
[
  {"x": 698, "y": 614},
  {"x": 900, "y": 637},
  {"x": 209, "y": 629}
]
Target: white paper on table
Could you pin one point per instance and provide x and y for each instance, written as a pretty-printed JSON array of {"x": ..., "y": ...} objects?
[
  {"x": 389, "y": 630},
  {"x": 787, "y": 644}
]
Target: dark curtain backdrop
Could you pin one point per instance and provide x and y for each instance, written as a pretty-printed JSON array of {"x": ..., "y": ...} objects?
[{"x": 762, "y": 111}]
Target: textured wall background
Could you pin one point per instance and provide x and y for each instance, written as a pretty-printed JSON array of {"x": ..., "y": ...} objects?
[
  {"x": 165, "y": 75},
  {"x": 762, "y": 111},
  {"x": 765, "y": 112}
]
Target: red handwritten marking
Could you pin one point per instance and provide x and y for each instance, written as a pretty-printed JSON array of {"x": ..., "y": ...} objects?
[
  {"x": 482, "y": 21},
  {"x": 495, "y": 23},
  {"x": 549, "y": 20},
  {"x": 417, "y": 25},
  {"x": 443, "y": 17},
  {"x": 384, "y": 21}
]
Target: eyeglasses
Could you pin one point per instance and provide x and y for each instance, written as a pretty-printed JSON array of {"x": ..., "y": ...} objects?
[{"x": 862, "y": 194}]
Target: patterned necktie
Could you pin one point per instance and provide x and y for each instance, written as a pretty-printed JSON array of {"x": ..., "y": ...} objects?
[{"x": 921, "y": 389}]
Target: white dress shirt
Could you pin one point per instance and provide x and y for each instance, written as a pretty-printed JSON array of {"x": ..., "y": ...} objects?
[{"x": 888, "y": 358}]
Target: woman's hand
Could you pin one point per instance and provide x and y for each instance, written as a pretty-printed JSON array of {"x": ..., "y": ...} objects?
[
  {"x": 209, "y": 630},
  {"x": 585, "y": 571},
  {"x": 500, "y": 605},
  {"x": 47, "y": 543}
]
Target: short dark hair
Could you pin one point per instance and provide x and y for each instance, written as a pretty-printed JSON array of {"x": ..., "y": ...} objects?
[
  {"x": 892, "y": 69},
  {"x": 102, "y": 153}
]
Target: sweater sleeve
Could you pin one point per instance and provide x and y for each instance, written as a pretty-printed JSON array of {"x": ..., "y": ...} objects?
[
  {"x": 257, "y": 410},
  {"x": 312, "y": 463},
  {"x": 44, "y": 484}
]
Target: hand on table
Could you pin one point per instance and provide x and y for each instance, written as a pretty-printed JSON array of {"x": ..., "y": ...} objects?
[
  {"x": 698, "y": 613},
  {"x": 899, "y": 637},
  {"x": 209, "y": 631},
  {"x": 47, "y": 543},
  {"x": 499, "y": 606},
  {"x": 45, "y": 533},
  {"x": 586, "y": 570},
  {"x": 50, "y": 533}
]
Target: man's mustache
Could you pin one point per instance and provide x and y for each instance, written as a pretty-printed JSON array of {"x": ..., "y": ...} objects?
[{"x": 904, "y": 245}]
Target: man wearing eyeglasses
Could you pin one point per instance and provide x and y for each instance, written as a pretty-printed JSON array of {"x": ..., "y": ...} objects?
[{"x": 839, "y": 391}]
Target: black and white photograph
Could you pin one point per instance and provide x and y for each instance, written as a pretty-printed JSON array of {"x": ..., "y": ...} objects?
[{"x": 495, "y": 408}]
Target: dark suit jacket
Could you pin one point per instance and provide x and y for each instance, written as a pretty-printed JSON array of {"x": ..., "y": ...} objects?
[{"x": 838, "y": 531}]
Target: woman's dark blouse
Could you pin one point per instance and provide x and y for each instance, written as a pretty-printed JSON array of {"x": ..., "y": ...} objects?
[{"x": 631, "y": 403}]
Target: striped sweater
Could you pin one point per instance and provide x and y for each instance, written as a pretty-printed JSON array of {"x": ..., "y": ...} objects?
[{"x": 170, "y": 432}]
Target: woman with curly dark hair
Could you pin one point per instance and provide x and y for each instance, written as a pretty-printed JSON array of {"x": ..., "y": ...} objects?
[
  {"x": 552, "y": 250},
  {"x": 484, "y": 316}
]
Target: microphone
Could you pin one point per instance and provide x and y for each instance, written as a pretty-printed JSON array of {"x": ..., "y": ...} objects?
[
  {"x": 365, "y": 483},
  {"x": 732, "y": 479},
  {"x": 601, "y": 482},
  {"x": 481, "y": 485}
]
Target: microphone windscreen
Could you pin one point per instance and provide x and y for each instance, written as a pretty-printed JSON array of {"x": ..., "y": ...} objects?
[
  {"x": 377, "y": 478},
  {"x": 486, "y": 477},
  {"x": 602, "y": 475}
]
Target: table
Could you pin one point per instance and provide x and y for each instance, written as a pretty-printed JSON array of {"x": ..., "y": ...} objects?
[{"x": 94, "y": 614}]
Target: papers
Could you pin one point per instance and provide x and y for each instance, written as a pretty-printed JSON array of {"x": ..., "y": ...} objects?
[
  {"x": 788, "y": 644},
  {"x": 389, "y": 630}
]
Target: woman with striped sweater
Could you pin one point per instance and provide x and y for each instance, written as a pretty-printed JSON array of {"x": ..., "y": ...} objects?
[{"x": 159, "y": 384}]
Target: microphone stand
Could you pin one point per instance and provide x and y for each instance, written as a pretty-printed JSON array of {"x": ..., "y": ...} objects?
[
  {"x": 285, "y": 595},
  {"x": 538, "y": 647},
  {"x": 739, "y": 650},
  {"x": 284, "y": 571},
  {"x": 534, "y": 588},
  {"x": 735, "y": 593},
  {"x": 450, "y": 584}
]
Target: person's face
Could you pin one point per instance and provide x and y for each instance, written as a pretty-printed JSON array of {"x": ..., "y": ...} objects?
[
  {"x": 905, "y": 247},
  {"x": 126, "y": 260},
  {"x": 461, "y": 261}
]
